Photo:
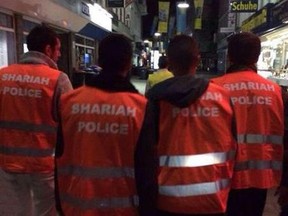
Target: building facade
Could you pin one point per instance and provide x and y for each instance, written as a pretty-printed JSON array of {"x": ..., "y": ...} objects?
[
  {"x": 80, "y": 24},
  {"x": 262, "y": 21}
]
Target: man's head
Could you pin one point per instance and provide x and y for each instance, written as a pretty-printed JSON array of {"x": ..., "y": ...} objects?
[
  {"x": 115, "y": 54},
  {"x": 45, "y": 40},
  {"x": 163, "y": 62},
  {"x": 244, "y": 48},
  {"x": 183, "y": 55}
]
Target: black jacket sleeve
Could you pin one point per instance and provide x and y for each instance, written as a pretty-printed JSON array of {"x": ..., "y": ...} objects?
[
  {"x": 284, "y": 181},
  {"x": 146, "y": 162}
]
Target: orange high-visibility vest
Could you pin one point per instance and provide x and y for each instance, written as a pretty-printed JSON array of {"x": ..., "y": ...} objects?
[
  {"x": 260, "y": 127},
  {"x": 27, "y": 128},
  {"x": 96, "y": 172},
  {"x": 196, "y": 154}
]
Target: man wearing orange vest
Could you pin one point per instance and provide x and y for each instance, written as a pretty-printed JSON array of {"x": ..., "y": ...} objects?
[
  {"x": 101, "y": 123},
  {"x": 29, "y": 94},
  {"x": 260, "y": 127},
  {"x": 190, "y": 122}
]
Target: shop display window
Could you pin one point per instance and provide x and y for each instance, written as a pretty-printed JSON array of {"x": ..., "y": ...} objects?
[
  {"x": 274, "y": 57},
  {"x": 85, "y": 52},
  {"x": 7, "y": 56}
]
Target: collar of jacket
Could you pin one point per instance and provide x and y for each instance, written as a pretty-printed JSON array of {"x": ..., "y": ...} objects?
[
  {"x": 34, "y": 57},
  {"x": 237, "y": 67},
  {"x": 111, "y": 82}
]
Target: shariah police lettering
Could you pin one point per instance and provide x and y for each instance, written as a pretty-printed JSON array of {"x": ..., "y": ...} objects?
[
  {"x": 249, "y": 100},
  {"x": 201, "y": 111},
  {"x": 103, "y": 109},
  {"x": 23, "y": 92}
]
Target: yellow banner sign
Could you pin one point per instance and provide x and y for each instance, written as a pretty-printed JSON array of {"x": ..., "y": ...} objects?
[
  {"x": 198, "y": 13},
  {"x": 163, "y": 16}
]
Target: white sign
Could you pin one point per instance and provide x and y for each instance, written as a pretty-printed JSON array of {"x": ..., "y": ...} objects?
[
  {"x": 227, "y": 29},
  {"x": 100, "y": 16}
]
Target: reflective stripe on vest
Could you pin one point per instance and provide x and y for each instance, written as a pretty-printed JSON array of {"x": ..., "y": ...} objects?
[
  {"x": 196, "y": 160},
  {"x": 259, "y": 139},
  {"x": 27, "y": 127},
  {"x": 259, "y": 165},
  {"x": 26, "y": 151},
  {"x": 97, "y": 203},
  {"x": 97, "y": 172},
  {"x": 194, "y": 189}
]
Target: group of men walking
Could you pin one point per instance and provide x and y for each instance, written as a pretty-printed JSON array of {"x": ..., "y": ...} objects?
[{"x": 190, "y": 146}]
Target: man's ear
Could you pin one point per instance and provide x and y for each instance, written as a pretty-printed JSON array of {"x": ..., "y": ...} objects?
[
  {"x": 48, "y": 50},
  {"x": 197, "y": 61}
]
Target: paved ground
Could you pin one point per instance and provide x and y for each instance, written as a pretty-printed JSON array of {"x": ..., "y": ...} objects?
[{"x": 271, "y": 208}]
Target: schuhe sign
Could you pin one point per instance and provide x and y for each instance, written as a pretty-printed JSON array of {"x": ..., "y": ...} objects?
[{"x": 244, "y": 5}]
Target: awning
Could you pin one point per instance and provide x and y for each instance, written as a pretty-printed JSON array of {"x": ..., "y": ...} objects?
[{"x": 93, "y": 31}]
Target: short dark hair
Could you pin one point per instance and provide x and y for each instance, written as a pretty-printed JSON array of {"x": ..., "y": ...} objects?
[
  {"x": 41, "y": 36},
  {"x": 115, "y": 52},
  {"x": 244, "y": 48},
  {"x": 183, "y": 53},
  {"x": 163, "y": 62}
]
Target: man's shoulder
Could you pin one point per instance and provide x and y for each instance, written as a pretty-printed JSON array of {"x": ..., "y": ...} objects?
[{"x": 64, "y": 82}]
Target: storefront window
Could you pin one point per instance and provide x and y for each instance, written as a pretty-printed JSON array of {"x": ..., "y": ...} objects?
[
  {"x": 274, "y": 56},
  {"x": 85, "y": 52},
  {"x": 7, "y": 56}
]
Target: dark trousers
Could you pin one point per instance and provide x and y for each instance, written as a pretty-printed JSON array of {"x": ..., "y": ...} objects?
[
  {"x": 246, "y": 202},
  {"x": 163, "y": 213},
  {"x": 284, "y": 211}
]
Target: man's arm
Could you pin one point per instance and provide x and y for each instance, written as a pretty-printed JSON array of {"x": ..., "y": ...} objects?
[
  {"x": 146, "y": 162},
  {"x": 283, "y": 189},
  {"x": 63, "y": 85}
]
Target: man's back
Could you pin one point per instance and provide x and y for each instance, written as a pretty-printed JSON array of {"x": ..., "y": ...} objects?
[
  {"x": 101, "y": 132},
  {"x": 29, "y": 96},
  {"x": 193, "y": 138},
  {"x": 189, "y": 138},
  {"x": 259, "y": 112},
  {"x": 26, "y": 86},
  {"x": 101, "y": 122}
]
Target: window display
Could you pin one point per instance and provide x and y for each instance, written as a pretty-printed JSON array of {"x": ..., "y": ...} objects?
[
  {"x": 85, "y": 52},
  {"x": 7, "y": 56},
  {"x": 274, "y": 56}
]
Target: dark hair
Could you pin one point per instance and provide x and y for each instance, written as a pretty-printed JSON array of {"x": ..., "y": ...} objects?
[
  {"x": 244, "y": 48},
  {"x": 183, "y": 53},
  {"x": 41, "y": 36},
  {"x": 115, "y": 53},
  {"x": 163, "y": 62}
]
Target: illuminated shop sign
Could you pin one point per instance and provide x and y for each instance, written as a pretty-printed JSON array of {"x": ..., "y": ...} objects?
[
  {"x": 259, "y": 21},
  {"x": 244, "y": 5},
  {"x": 255, "y": 20},
  {"x": 97, "y": 15}
]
